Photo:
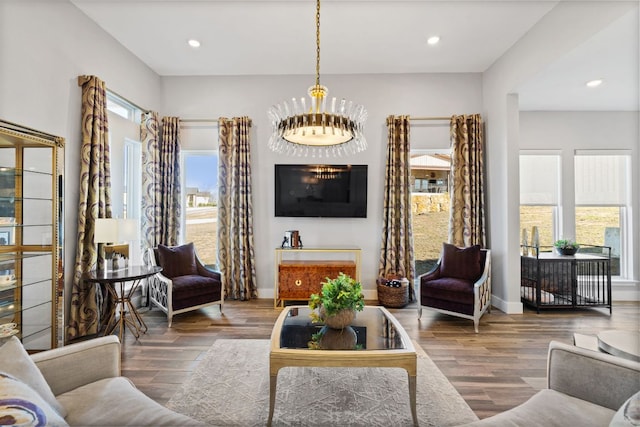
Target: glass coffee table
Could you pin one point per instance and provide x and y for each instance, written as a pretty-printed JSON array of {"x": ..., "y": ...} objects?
[{"x": 379, "y": 341}]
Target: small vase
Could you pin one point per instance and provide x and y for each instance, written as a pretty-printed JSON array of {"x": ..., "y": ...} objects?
[{"x": 340, "y": 320}]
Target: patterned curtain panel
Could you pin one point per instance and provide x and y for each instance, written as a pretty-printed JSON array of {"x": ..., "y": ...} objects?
[
  {"x": 94, "y": 202},
  {"x": 467, "y": 221},
  {"x": 235, "y": 210},
  {"x": 168, "y": 183},
  {"x": 396, "y": 254},
  {"x": 150, "y": 216}
]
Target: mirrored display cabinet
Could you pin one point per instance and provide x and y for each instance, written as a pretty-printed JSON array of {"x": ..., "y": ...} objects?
[{"x": 31, "y": 270}]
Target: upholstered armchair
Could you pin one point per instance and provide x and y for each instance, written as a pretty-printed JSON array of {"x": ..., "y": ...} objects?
[
  {"x": 459, "y": 284},
  {"x": 184, "y": 284}
]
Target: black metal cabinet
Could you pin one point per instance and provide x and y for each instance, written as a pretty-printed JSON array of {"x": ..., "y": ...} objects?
[{"x": 549, "y": 280}]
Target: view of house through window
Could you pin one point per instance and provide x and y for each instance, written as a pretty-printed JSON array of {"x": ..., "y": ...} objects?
[
  {"x": 429, "y": 206},
  {"x": 200, "y": 202}
]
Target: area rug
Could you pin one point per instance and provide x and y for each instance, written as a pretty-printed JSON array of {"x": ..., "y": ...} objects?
[{"x": 230, "y": 387}]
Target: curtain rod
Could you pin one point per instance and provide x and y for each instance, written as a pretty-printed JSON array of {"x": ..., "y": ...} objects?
[
  {"x": 429, "y": 118},
  {"x": 199, "y": 120},
  {"x": 144, "y": 110}
]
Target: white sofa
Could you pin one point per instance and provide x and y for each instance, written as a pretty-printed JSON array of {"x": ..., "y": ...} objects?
[
  {"x": 585, "y": 388},
  {"x": 77, "y": 385}
]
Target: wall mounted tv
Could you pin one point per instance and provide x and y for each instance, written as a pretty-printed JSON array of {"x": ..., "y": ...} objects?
[{"x": 329, "y": 191}]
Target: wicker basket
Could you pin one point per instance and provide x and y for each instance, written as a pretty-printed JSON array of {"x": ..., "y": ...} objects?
[{"x": 393, "y": 297}]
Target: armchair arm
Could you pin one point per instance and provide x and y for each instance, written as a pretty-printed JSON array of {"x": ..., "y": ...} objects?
[
  {"x": 69, "y": 367},
  {"x": 204, "y": 271},
  {"x": 432, "y": 274},
  {"x": 593, "y": 376}
]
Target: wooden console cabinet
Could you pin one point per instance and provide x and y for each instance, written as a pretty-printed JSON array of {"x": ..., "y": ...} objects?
[{"x": 297, "y": 279}]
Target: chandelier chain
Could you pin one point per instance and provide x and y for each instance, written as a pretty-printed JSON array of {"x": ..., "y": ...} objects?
[{"x": 318, "y": 43}]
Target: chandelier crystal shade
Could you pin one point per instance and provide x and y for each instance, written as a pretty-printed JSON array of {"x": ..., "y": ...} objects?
[{"x": 315, "y": 127}]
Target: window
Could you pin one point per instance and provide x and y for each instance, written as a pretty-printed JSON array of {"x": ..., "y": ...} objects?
[
  {"x": 430, "y": 205},
  {"x": 126, "y": 162},
  {"x": 602, "y": 197},
  {"x": 540, "y": 194},
  {"x": 200, "y": 202},
  {"x": 132, "y": 179}
]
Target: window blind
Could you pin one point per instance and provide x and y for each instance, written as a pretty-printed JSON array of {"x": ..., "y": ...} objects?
[
  {"x": 539, "y": 179},
  {"x": 601, "y": 179}
]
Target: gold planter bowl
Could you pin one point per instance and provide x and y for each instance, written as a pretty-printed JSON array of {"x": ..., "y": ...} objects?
[{"x": 339, "y": 320}]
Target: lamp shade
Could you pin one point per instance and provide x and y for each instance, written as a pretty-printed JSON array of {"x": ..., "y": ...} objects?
[
  {"x": 106, "y": 230},
  {"x": 111, "y": 230}
]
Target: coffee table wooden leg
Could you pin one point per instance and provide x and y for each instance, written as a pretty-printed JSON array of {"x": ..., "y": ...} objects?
[
  {"x": 273, "y": 380},
  {"x": 412, "y": 398}
]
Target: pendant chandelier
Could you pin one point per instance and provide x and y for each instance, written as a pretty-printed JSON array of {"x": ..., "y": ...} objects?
[{"x": 315, "y": 128}]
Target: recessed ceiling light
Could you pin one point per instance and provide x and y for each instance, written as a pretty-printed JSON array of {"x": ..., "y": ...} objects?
[
  {"x": 594, "y": 83},
  {"x": 194, "y": 43},
  {"x": 433, "y": 40}
]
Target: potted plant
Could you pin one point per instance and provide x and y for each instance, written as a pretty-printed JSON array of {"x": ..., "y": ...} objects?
[
  {"x": 566, "y": 247},
  {"x": 338, "y": 301}
]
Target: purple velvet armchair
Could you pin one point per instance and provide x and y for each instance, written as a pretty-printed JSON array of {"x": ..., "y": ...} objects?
[
  {"x": 184, "y": 284},
  {"x": 459, "y": 284}
]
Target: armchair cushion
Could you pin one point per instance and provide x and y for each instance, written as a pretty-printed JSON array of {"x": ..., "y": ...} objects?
[
  {"x": 461, "y": 263},
  {"x": 450, "y": 289},
  {"x": 192, "y": 290},
  {"x": 177, "y": 260}
]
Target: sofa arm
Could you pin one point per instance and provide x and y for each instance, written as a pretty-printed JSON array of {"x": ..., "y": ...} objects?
[
  {"x": 593, "y": 376},
  {"x": 69, "y": 367}
]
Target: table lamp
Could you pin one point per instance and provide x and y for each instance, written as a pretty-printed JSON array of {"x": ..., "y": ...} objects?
[{"x": 115, "y": 234}]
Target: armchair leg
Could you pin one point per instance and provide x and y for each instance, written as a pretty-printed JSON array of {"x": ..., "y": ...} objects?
[
  {"x": 476, "y": 322},
  {"x": 419, "y": 312},
  {"x": 169, "y": 318},
  {"x": 220, "y": 308}
]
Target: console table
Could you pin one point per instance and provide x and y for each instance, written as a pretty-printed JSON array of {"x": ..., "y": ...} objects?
[
  {"x": 298, "y": 275},
  {"x": 549, "y": 280}
]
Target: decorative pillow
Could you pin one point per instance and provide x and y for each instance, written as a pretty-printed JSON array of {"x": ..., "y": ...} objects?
[
  {"x": 17, "y": 363},
  {"x": 460, "y": 263},
  {"x": 20, "y": 405},
  {"x": 629, "y": 413},
  {"x": 177, "y": 260}
]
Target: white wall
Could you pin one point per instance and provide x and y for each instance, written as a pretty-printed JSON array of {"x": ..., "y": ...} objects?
[
  {"x": 547, "y": 41},
  {"x": 382, "y": 95},
  {"x": 45, "y": 46},
  {"x": 570, "y": 131}
]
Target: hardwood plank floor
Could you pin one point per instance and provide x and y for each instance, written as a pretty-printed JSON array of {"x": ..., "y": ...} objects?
[{"x": 494, "y": 370}]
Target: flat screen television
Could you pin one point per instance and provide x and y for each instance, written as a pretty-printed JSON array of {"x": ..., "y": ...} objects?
[{"x": 329, "y": 191}]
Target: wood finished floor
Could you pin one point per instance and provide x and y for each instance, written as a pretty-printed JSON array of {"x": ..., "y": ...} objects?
[{"x": 494, "y": 370}]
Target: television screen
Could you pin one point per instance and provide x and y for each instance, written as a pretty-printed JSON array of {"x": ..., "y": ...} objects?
[{"x": 330, "y": 191}]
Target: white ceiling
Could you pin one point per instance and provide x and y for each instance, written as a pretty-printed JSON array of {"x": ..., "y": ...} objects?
[{"x": 263, "y": 37}]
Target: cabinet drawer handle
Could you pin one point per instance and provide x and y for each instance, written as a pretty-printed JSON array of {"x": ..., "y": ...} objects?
[{"x": 298, "y": 282}]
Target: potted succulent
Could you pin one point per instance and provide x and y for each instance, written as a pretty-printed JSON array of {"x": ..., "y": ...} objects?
[
  {"x": 338, "y": 301},
  {"x": 566, "y": 247}
]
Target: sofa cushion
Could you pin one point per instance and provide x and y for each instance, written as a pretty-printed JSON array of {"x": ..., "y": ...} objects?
[
  {"x": 177, "y": 260},
  {"x": 17, "y": 363},
  {"x": 117, "y": 402},
  {"x": 461, "y": 263},
  {"x": 20, "y": 405},
  {"x": 550, "y": 408}
]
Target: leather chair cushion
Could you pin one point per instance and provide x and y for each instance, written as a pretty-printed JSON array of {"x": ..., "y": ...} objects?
[
  {"x": 461, "y": 263},
  {"x": 177, "y": 260},
  {"x": 192, "y": 290},
  {"x": 447, "y": 289}
]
